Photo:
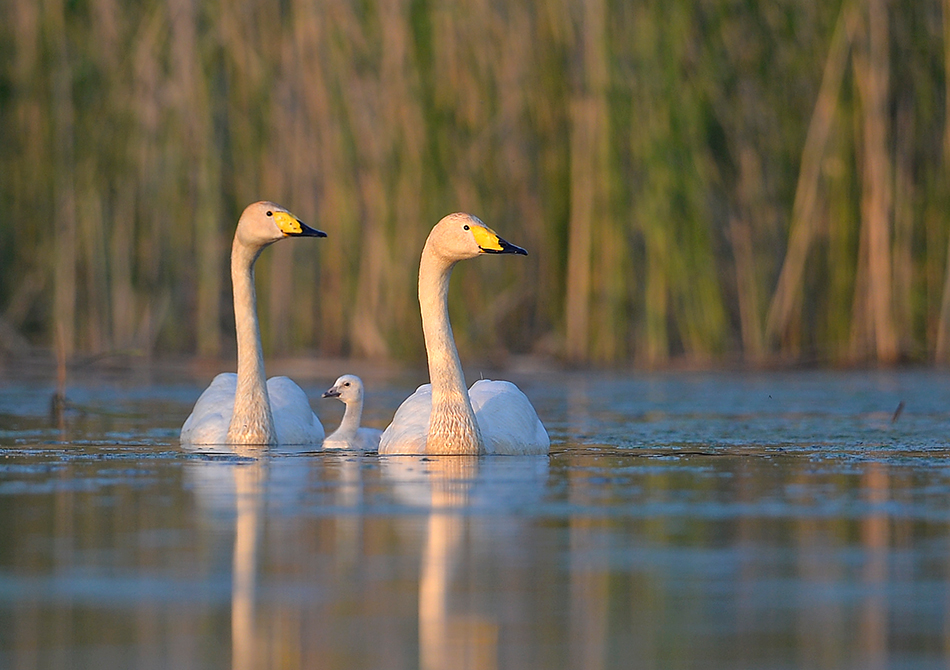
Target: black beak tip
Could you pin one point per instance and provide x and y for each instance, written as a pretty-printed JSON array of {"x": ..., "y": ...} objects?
[
  {"x": 506, "y": 248},
  {"x": 331, "y": 394},
  {"x": 307, "y": 231},
  {"x": 509, "y": 248}
]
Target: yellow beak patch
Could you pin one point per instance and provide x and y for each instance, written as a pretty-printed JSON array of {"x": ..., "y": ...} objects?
[
  {"x": 486, "y": 238},
  {"x": 288, "y": 223}
]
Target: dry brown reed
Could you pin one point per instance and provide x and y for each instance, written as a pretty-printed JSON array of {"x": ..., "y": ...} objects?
[{"x": 694, "y": 181}]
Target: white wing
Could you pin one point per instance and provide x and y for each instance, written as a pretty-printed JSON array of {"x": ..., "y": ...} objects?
[
  {"x": 209, "y": 420},
  {"x": 507, "y": 419},
  {"x": 294, "y": 420},
  {"x": 410, "y": 427}
]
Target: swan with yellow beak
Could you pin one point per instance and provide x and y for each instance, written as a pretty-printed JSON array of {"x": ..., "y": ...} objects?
[{"x": 443, "y": 417}]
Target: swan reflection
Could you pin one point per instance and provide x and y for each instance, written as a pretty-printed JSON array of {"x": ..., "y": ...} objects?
[
  {"x": 254, "y": 500},
  {"x": 248, "y": 479},
  {"x": 234, "y": 488},
  {"x": 325, "y": 525},
  {"x": 459, "y": 627}
]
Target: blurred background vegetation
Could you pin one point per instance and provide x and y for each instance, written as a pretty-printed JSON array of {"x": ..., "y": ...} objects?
[{"x": 706, "y": 181}]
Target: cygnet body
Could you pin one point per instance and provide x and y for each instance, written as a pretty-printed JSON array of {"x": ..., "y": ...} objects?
[{"x": 350, "y": 435}]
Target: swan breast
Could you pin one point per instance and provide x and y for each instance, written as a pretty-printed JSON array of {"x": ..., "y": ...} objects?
[
  {"x": 508, "y": 421},
  {"x": 295, "y": 422}
]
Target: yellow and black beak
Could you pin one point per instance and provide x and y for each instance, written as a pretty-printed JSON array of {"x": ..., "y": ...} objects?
[
  {"x": 506, "y": 248},
  {"x": 490, "y": 243},
  {"x": 307, "y": 231},
  {"x": 291, "y": 226}
]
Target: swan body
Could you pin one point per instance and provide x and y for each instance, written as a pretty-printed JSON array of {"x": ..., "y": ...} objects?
[
  {"x": 243, "y": 408},
  {"x": 350, "y": 435},
  {"x": 443, "y": 417},
  {"x": 506, "y": 420},
  {"x": 294, "y": 421}
]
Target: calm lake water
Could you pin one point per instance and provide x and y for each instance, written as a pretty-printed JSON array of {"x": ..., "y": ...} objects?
[{"x": 715, "y": 520}]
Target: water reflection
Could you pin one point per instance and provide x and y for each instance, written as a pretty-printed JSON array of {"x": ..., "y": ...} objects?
[
  {"x": 235, "y": 489},
  {"x": 651, "y": 537},
  {"x": 456, "y": 629},
  {"x": 875, "y": 536},
  {"x": 249, "y": 500},
  {"x": 590, "y": 583},
  {"x": 448, "y": 523}
]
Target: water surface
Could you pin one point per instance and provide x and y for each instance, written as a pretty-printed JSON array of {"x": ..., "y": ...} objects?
[{"x": 715, "y": 520}]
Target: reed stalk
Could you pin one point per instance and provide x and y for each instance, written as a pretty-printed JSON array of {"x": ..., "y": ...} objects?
[{"x": 693, "y": 181}]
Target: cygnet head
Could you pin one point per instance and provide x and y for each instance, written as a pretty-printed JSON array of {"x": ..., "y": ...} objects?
[
  {"x": 348, "y": 388},
  {"x": 264, "y": 223},
  {"x": 460, "y": 236}
]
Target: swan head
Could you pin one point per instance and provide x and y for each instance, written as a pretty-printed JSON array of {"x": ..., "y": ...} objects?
[
  {"x": 264, "y": 223},
  {"x": 460, "y": 236},
  {"x": 348, "y": 388}
]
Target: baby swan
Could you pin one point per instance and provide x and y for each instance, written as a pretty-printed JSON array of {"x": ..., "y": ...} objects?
[
  {"x": 243, "y": 409},
  {"x": 493, "y": 417},
  {"x": 349, "y": 389}
]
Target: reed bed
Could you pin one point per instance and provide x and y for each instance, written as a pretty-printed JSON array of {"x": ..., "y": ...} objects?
[{"x": 704, "y": 181}]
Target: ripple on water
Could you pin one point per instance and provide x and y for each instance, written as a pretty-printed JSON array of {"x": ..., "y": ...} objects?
[{"x": 759, "y": 516}]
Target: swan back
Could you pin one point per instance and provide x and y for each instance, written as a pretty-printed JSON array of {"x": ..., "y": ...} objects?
[
  {"x": 508, "y": 421},
  {"x": 295, "y": 422}
]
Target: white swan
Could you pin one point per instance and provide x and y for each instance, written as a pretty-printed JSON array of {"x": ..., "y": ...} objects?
[
  {"x": 350, "y": 435},
  {"x": 240, "y": 409},
  {"x": 493, "y": 417}
]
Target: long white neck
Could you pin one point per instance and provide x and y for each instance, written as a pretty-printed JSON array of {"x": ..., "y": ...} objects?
[
  {"x": 452, "y": 425},
  {"x": 252, "y": 421},
  {"x": 351, "y": 421}
]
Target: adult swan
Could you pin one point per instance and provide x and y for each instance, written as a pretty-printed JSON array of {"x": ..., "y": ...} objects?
[
  {"x": 493, "y": 417},
  {"x": 242, "y": 409}
]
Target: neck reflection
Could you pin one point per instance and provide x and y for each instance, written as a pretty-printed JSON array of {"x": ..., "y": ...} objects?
[
  {"x": 248, "y": 481},
  {"x": 451, "y": 633}
]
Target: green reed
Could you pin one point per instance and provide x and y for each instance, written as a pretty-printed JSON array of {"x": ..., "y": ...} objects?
[{"x": 703, "y": 181}]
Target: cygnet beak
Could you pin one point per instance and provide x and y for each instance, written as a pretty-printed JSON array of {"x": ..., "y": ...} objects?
[{"x": 332, "y": 392}]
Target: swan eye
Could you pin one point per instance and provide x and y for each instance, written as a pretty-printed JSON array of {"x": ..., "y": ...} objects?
[
  {"x": 465, "y": 226},
  {"x": 346, "y": 383},
  {"x": 269, "y": 213}
]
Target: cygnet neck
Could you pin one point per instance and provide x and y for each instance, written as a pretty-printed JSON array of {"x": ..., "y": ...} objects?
[
  {"x": 252, "y": 421},
  {"x": 452, "y": 425},
  {"x": 351, "y": 420}
]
